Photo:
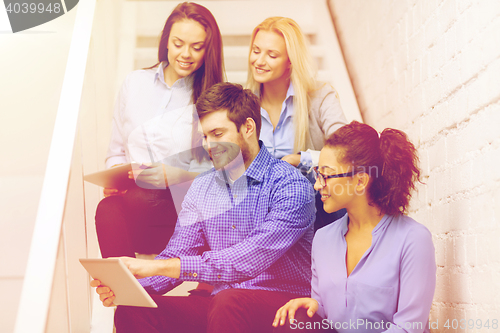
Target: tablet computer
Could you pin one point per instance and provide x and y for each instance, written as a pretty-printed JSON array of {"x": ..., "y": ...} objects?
[
  {"x": 116, "y": 177},
  {"x": 114, "y": 274}
]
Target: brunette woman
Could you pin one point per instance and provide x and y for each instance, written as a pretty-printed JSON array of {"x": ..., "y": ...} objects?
[
  {"x": 374, "y": 267},
  {"x": 152, "y": 125}
]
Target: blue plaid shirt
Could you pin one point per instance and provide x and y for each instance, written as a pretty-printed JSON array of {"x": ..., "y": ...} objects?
[{"x": 259, "y": 230}]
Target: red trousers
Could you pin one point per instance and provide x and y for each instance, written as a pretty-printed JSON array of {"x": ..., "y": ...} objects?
[
  {"x": 140, "y": 221},
  {"x": 231, "y": 311}
]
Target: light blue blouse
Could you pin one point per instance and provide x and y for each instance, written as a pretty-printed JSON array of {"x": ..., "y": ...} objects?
[
  {"x": 325, "y": 116},
  {"x": 279, "y": 141},
  {"x": 391, "y": 288}
]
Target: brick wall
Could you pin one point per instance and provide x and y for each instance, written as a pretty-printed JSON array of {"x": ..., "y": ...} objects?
[{"x": 432, "y": 69}]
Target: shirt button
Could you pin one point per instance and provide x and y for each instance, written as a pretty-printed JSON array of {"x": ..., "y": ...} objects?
[
  {"x": 235, "y": 196},
  {"x": 218, "y": 276},
  {"x": 190, "y": 274},
  {"x": 195, "y": 274},
  {"x": 233, "y": 226},
  {"x": 185, "y": 274}
]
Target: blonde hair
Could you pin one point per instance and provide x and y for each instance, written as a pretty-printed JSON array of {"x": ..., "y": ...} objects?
[{"x": 302, "y": 72}]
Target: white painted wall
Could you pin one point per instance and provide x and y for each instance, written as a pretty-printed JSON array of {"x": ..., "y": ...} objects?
[
  {"x": 432, "y": 69},
  {"x": 32, "y": 65}
]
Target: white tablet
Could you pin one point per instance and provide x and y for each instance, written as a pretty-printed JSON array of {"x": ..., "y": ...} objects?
[
  {"x": 116, "y": 177},
  {"x": 114, "y": 274}
]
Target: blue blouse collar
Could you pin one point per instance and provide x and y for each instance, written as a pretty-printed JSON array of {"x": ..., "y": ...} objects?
[{"x": 381, "y": 225}]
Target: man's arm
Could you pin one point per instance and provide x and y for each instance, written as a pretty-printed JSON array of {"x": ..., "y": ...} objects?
[
  {"x": 187, "y": 240},
  {"x": 142, "y": 268},
  {"x": 291, "y": 213}
]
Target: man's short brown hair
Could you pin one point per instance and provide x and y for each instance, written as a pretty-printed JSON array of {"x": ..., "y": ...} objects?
[{"x": 240, "y": 104}]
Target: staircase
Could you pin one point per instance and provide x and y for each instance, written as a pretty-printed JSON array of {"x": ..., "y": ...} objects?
[{"x": 56, "y": 296}]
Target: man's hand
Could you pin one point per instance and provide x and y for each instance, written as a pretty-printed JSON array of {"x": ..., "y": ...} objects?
[
  {"x": 142, "y": 268},
  {"x": 105, "y": 294}
]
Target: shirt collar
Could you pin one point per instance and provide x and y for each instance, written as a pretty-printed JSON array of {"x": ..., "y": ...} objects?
[
  {"x": 181, "y": 83},
  {"x": 259, "y": 165},
  {"x": 256, "y": 170},
  {"x": 290, "y": 92},
  {"x": 159, "y": 72},
  {"x": 289, "y": 95},
  {"x": 383, "y": 223},
  {"x": 287, "y": 110}
]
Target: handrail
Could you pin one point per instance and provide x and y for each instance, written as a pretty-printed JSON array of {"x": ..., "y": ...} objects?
[
  {"x": 343, "y": 82},
  {"x": 38, "y": 282}
]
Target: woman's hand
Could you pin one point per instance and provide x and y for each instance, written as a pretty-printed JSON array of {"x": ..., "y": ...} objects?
[
  {"x": 113, "y": 191},
  {"x": 106, "y": 295},
  {"x": 293, "y": 305},
  {"x": 160, "y": 176},
  {"x": 293, "y": 159},
  {"x": 150, "y": 176}
]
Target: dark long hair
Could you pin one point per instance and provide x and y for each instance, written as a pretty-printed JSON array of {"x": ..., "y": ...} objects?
[
  {"x": 391, "y": 161},
  {"x": 212, "y": 69}
]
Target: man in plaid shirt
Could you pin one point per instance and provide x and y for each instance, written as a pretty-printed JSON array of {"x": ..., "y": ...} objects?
[{"x": 255, "y": 213}]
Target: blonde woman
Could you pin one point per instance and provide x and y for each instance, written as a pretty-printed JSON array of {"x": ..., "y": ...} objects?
[{"x": 298, "y": 112}]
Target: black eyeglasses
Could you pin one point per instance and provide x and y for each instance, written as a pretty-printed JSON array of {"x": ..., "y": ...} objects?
[{"x": 322, "y": 178}]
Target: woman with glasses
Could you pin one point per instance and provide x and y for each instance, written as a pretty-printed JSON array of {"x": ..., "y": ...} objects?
[
  {"x": 374, "y": 269},
  {"x": 298, "y": 112}
]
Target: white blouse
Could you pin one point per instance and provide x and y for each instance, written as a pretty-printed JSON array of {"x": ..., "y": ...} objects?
[{"x": 153, "y": 122}]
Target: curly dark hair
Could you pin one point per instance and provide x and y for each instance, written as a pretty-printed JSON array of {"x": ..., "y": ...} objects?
[{"x": 391, "y": 160}]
